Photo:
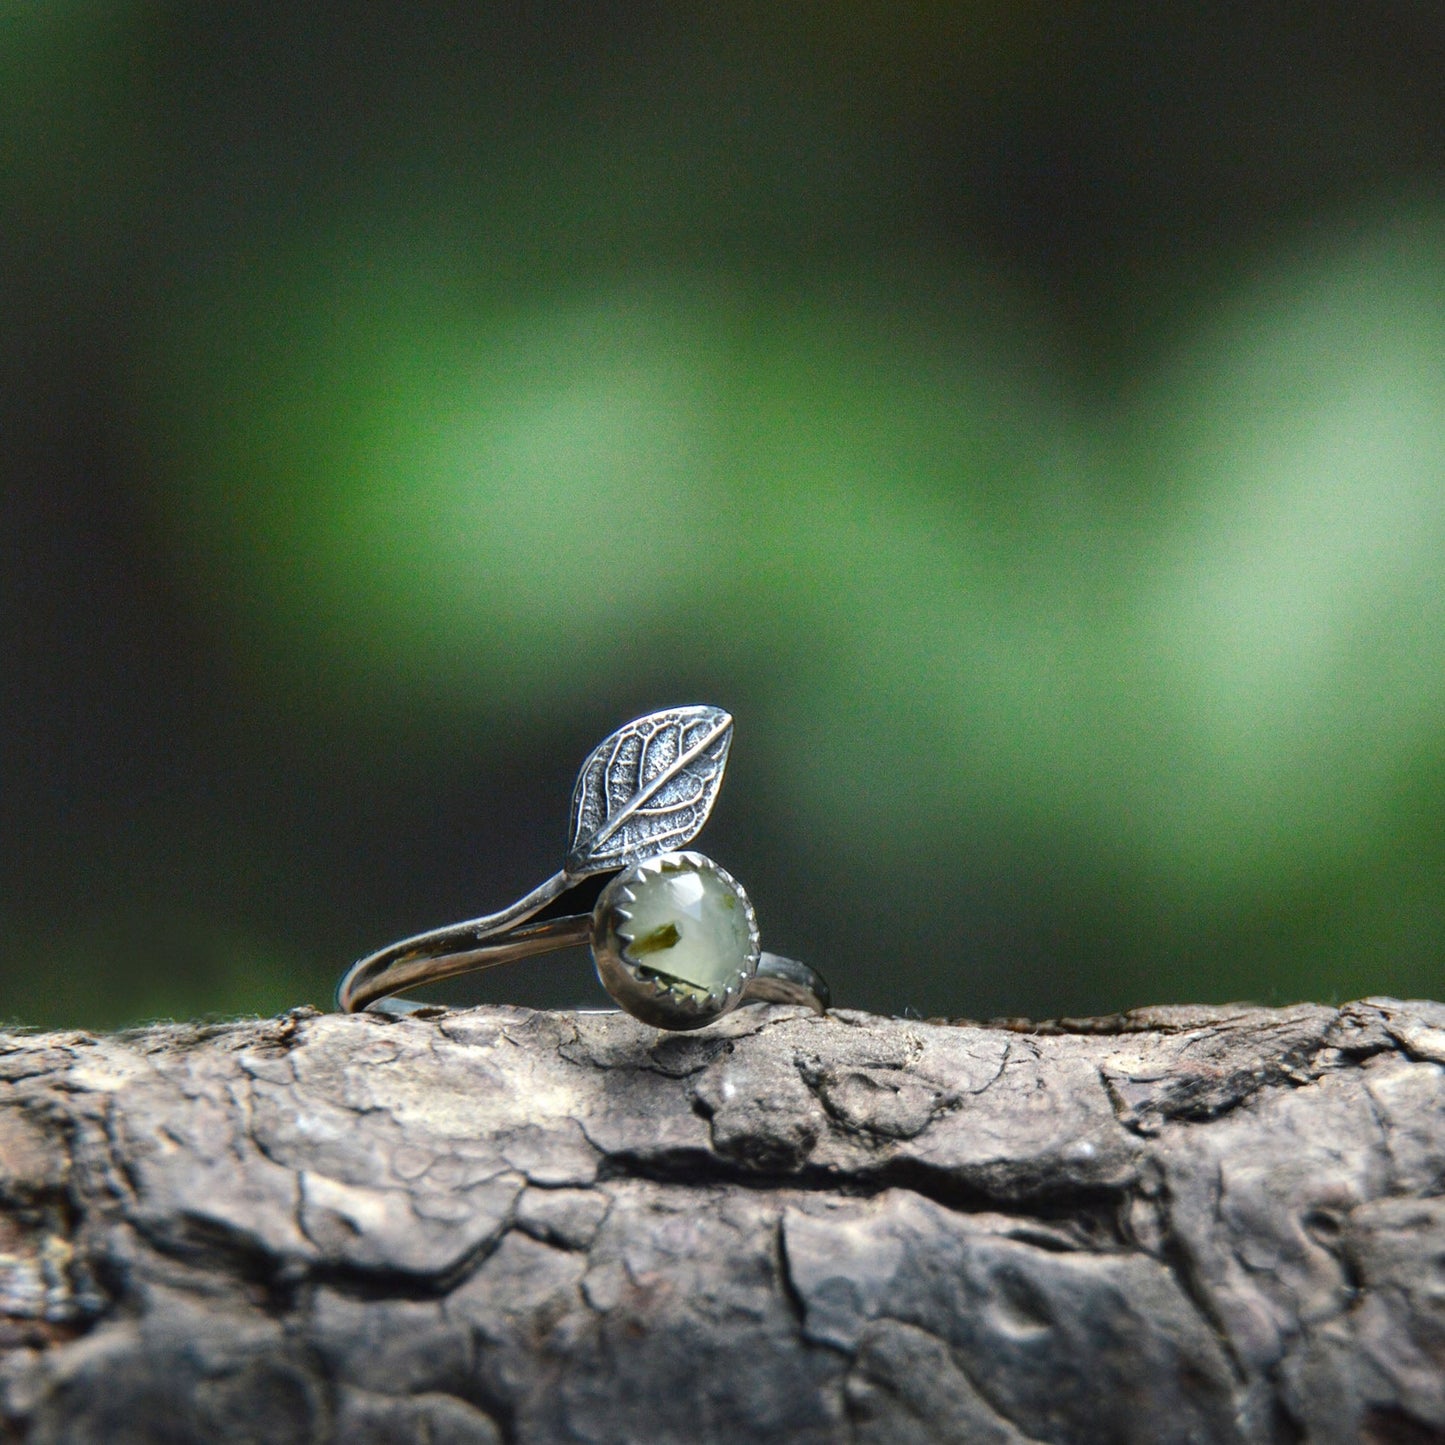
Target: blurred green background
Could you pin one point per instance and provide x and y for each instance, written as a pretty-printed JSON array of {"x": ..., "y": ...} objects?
[{"x": 1027, "y": 419}]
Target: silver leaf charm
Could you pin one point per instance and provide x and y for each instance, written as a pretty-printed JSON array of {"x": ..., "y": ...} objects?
[{"x": 648, "y": 788}]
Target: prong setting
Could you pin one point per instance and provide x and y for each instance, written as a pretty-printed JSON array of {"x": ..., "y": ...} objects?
[{"x": 675, "y": 940}]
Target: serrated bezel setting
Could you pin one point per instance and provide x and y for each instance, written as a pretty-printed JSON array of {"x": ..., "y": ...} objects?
[{"x": 647, "y": 993}]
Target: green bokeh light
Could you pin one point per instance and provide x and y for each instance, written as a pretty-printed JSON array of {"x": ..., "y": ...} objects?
[
  {"x": 472, "y": 390},
  {"x": 888, "y": 512}
]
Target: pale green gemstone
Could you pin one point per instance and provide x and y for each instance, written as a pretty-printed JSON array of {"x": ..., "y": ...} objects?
[{"x": 687, "y": 926}]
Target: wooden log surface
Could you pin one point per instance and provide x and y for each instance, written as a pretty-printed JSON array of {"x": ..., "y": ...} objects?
[{"x": 1177, "y": 1224}]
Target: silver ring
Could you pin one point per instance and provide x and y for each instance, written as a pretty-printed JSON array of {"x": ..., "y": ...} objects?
[{"x": 673, "y": 935}]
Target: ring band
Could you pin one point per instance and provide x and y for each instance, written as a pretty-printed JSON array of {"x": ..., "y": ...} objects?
[{"x": 673, "y": 935}]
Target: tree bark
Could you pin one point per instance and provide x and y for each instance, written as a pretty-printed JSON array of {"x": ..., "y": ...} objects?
[{"x": 1177, "y": 1224}]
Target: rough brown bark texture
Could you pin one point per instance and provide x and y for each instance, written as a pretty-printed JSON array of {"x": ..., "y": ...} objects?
[{"x": 1179, "y": 1224}]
